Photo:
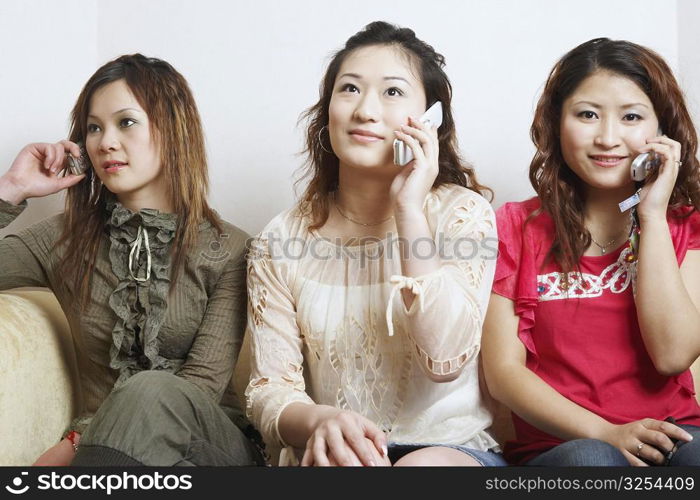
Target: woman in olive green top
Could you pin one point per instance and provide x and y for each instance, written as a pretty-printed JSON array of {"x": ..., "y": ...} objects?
[{"x": 151, "y": 280}]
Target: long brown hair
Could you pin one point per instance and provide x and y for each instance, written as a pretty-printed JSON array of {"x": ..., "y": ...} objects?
[
  {"x": 559, "y": 189},
  {"x": 165, "y": 96},
  {"x": 321, "y": 168}
]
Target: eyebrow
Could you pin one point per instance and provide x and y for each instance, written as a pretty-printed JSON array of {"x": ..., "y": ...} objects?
[
  {"x": 119, "y": 111},
  {"x": 355, "y": 75},
  {"x": 624, "y": 106}
]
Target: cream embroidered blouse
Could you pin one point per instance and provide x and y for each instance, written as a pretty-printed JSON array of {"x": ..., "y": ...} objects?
[{"x": 321, "y": 318}]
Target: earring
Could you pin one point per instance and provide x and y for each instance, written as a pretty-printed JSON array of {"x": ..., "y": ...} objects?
[
  {"x": 320, "y": 140},
  {"x": 95, "y": 188}
]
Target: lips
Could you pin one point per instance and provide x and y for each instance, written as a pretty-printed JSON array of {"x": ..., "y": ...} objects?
[
  {"x": 607, "y": 161},
  {"x": 365, "y": 136},
  {"x": 113, "y": 166}
]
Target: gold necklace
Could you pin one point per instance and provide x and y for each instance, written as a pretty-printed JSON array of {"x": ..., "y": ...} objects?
[{"x": 366, "y": 224}]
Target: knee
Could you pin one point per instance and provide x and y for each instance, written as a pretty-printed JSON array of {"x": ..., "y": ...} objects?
[
  {"x": 589, "y": 453},
  {"x": 437, "y": 456}
]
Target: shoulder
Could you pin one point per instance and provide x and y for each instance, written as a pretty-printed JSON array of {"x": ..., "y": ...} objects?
[
  {"x": 517, "y": 211},
  {"x": 48, "y": 230},
  {"x": 290, "y": 223}
]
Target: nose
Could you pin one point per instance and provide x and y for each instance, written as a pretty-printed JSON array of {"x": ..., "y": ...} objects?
[
  {"x": 108, "y": 141},
  {"x": 368, "y": 108},
  {"x": 608, "y": 134}
]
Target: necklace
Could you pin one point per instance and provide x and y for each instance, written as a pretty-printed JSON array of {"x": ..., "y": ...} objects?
[
  {"x": 366, "y": 224},
  {"x": 604, "y": 248}
]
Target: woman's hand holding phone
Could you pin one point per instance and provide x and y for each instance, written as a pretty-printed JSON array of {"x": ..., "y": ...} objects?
[
  {"x": 36, "y": 170},
  {"x": 655, "y": 194},
  {"x": 412, "y": 184}
]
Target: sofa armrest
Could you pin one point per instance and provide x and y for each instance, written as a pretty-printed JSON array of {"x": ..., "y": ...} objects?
[{"x": 38, "y": 375}]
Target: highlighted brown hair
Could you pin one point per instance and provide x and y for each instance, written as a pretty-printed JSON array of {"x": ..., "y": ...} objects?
[
  {"x": 165, "y": 96},
  {"x": 559, "y": 189}
]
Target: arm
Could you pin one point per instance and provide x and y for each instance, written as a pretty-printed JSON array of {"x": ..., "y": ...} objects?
[
  {"x": 276, "y": 398},
  {"x": 511, "y": 382},
  {"x": 212, "y": 357},
  {"x": 667, "y": 308}
]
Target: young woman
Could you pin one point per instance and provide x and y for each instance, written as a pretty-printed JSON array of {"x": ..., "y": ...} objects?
[
  {"x": 375, "y": 285},
  {"x": 594, "y": 320},
  {"x": 151, "y": 280}
]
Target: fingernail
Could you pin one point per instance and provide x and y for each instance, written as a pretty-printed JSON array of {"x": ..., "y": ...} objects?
[
  {"x": 385, "y": 451},
  {"x": 371, "y": 463}
]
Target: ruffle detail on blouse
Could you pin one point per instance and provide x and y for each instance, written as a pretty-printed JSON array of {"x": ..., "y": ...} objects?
[
  {"x": 516, "y": 267},
  {"x": 139, "y": 306}
]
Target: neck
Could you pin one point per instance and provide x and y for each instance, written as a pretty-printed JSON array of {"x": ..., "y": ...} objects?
[
  {"x": 364, "y": 197},
  {"x": 602, "y": 214},
  {"x": 137, "y": 201}
]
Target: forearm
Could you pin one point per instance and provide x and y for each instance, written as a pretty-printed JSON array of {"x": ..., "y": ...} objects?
[
  {"x": 535, "y": 401},
  {"x": 668, "y": 319},
  {"x": 299, "y": 420}
]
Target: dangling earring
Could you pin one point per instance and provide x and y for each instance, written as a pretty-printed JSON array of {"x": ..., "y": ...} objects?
[
  {"x": 95, "y": 187},
  {"x": 320, "y": 140}
]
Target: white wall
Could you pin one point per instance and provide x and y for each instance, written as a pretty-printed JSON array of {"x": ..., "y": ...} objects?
[
  {"x": 254, "y": 66},
  {"x": 689, "y": 53}
]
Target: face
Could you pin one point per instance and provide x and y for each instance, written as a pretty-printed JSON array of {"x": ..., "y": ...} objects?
[
  {"x": 122, "y": 151},
  {"x": 376, "y": 90},
  {"x": 604, "y": 123}
]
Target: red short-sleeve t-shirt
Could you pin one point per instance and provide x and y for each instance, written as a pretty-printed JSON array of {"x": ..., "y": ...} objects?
[{"x": 581, "y": 333}]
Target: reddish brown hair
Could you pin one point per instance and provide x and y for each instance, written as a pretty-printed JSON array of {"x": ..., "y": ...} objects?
[
  {"x": 559, "y": 189},
  {"x": 165, "y": 96},
  {"x": 322, "y": 165}
]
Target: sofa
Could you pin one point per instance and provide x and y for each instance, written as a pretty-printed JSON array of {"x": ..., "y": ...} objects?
[{"x": 38, "y": 377}]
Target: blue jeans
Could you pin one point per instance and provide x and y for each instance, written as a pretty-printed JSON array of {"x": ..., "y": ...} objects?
[
  {"x": 595, "y": 453},
  {"x": 485, "y": 458}
]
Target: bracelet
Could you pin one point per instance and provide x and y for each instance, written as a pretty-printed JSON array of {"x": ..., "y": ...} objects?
[{"x": 71, "y": 437}]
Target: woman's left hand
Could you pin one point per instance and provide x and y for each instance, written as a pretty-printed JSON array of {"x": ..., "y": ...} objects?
[
  {"x": 656, "y": 195},
  {"x": 412, "y": 184},
  {"x": 59, "y": 454}
]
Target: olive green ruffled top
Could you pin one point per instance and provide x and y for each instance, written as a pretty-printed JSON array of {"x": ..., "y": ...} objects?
[{"x": 133, "y": 321}]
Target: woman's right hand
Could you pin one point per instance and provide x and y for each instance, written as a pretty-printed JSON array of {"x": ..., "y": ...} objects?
[
  {"x": 654, "y": 435},
  {"x": 35, "y": 172},
  {"x": 345, "y": 438}
]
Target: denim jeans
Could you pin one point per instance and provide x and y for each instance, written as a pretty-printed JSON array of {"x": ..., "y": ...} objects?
[{"x": 592, "y": 452}]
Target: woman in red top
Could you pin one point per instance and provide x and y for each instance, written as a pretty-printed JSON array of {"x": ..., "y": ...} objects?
[{"x": 594, "y": 321}]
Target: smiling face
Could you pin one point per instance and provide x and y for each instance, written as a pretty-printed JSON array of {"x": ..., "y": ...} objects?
[
  {"x": 603, "y": 124},
  {"x": 376, "y": 90},
  {"x": 122, "y": 150}
]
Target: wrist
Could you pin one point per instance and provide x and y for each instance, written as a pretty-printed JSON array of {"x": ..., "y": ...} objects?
[
  {"x": 74, "y": 439},
  {"x": 602, "y": 431},
  {"x": 10, "y": 191},
  {"x": 409, "y": 211}
]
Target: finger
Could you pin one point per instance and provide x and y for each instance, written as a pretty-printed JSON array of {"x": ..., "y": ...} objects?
[
  {"x": 59, "y": 158},
  {"x": 418, "y": 154},
  {"x": 320, "y": 458},
  {"x": 361, "y": 448},
  {"x": 673, "y": 431},
  {"x": 49, "y": 155},
  {"x": 634, "y": 461},
  {"x": 651, "y": 451},
  {"x": 377, "y": 436},
  {"x": 70, "y": 146},
  {"x": 307, "y": 460}
]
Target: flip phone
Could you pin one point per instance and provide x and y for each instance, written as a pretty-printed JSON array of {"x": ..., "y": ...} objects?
[{"x": 403, "y": 153}]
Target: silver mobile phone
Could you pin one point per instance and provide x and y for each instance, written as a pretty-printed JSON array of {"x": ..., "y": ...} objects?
[{"x": 79, "y": 165}]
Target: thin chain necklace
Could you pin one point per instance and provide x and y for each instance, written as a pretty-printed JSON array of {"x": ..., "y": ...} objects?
[
  {"x": 366, "y": 224},
  {"x": 604, "y": 248}
]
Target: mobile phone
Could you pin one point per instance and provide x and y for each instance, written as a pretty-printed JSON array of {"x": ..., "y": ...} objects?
[
  {"x": 79, "y": 165},
  {"x": 403, "y": 153},
  {"x": 643, "y": 165}
]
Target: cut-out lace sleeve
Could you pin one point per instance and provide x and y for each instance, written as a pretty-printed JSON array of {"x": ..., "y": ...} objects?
[
  {"x": 446, "y": 316},
  {"x": 276, "y": 359}
]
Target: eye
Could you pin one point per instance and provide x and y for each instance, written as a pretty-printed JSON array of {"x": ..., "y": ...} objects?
[
  {"x": 632, "y": 117},
  {"x": 587, "y": 115},
  {"x": 126, "y": 122},
  {"x": 394, "y": 92},
  {"x": 349, "y": 87},
  {"x": 92, "y": 128}
]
